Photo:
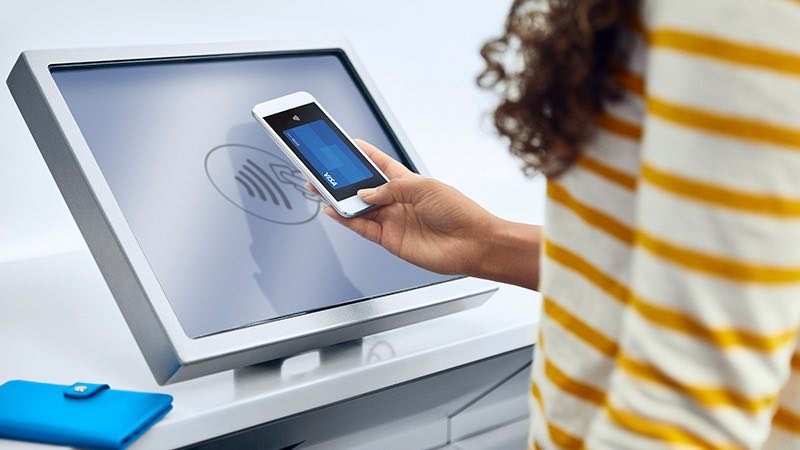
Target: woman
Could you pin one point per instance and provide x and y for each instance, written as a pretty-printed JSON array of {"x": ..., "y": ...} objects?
[{"x": 670, "y": 264}]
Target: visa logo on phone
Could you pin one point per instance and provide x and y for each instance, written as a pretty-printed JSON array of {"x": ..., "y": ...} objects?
[{"x": 330, "y": 179}]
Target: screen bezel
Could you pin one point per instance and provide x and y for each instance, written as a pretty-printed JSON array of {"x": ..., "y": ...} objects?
[{"x": 289, "y": 119}]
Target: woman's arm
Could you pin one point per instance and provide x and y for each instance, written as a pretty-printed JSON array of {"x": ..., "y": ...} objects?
[
  {"x": 434, "y": 226},
  {"x": 510, "y": 254}
]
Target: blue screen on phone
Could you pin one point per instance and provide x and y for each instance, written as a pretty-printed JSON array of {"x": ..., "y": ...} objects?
[{"x": 328, "y": 154}]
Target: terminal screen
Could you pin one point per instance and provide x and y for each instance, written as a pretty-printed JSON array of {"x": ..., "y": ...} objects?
[{"x": 224, "y": 220}]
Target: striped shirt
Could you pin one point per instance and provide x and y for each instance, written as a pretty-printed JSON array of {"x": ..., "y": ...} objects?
[{"x": 671, "y": 256}]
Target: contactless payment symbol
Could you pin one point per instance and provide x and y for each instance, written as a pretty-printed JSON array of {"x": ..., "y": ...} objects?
[
  {"x": 261, "y": 183},
  {"x": 255, "y": 180}
]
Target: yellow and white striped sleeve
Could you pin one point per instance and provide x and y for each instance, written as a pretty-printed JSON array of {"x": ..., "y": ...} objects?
[{"x": 708, "y": 337}]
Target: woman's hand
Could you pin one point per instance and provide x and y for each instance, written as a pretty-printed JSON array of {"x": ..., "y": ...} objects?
[{"x": 434, "y": 226}]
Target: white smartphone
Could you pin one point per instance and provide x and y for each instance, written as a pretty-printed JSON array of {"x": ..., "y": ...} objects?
[{"x": 318, "y": 146}]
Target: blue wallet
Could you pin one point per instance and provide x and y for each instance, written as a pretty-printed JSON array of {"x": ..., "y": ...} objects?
[{"x": 82, "y": 415}]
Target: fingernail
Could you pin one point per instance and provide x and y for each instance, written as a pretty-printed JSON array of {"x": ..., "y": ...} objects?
[
  {"x": 366, "y": 192},
  {"x": 329, "y": 211}
]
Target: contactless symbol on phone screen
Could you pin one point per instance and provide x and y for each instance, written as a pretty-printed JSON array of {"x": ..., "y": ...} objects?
[{"x": 261, "y": 183}]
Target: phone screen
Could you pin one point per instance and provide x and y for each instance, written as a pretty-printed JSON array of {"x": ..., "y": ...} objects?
[{"x": 322, "y": 147}]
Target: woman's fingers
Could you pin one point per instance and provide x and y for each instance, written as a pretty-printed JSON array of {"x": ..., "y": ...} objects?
[
  {"x": 388, "y": 165},
  {"x": 399, "y": 190}
]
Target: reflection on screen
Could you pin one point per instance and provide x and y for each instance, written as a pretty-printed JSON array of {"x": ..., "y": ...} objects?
[
  {"x": 329, "y": 156},
  {"x": 223, "y": 218}
]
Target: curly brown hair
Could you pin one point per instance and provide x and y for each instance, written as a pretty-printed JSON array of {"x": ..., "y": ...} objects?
[{"x": 555, "y": 70}]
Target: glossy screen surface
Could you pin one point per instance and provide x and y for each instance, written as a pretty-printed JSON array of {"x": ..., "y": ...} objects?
[{"x": 222, "y": 217}]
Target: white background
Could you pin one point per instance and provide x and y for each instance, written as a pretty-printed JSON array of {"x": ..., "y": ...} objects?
[{"x": 423, "y": 56}]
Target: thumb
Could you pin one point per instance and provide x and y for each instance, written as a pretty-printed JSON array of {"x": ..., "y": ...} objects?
[{"x": 399, "y": 190}]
